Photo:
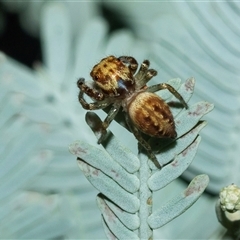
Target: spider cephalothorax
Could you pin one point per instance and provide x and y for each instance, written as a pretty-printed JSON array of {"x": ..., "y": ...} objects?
[{"x": 117, "y": 84}]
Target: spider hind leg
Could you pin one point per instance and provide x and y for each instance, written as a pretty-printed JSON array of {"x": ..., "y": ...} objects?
[{"x": 142, "y": 142}]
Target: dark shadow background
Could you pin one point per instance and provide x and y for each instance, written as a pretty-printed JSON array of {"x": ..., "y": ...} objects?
[{"x": 19, "y": 45}]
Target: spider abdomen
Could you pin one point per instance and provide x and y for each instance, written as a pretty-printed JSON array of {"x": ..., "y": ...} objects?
[{"x": 151, "y": 115}]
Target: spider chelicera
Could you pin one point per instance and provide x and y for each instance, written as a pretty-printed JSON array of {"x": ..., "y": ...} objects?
[{"x": 116, "y": 84}]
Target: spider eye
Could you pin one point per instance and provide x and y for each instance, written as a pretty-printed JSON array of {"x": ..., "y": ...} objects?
[{"x": 96, "y": 78}]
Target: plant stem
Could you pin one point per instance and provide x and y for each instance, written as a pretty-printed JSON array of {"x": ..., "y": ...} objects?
[{"x": 145, "y": 196}]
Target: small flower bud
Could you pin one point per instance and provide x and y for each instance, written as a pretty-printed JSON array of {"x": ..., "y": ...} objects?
[{"x": 230, "y": 198}]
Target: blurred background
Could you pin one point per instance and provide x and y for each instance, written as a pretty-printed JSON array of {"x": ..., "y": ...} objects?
[{"x": 46, "y": 46}]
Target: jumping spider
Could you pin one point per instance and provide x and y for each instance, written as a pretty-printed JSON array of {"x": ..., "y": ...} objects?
[{"x": 115, "y": 84}]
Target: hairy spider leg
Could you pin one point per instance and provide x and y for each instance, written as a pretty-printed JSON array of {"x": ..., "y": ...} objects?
[
  {"x": 144, "y": 74},
  {"x": 91, "y": 92},
  {"x": 142, "y": 70},
  {"x": 171, "y": 89},
  {"x": 142, "y": 142},
  {"x": 132, "y": 63},
  {"x": 111, "y": 115},
  {"x": 94, "y": 105}
]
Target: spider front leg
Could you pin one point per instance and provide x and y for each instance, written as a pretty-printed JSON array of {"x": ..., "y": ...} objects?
[
  {"x": 92, "y": 106},
  {"x": 131, "y": 62},
  {"x": 93, "y": 93},
  {"x": 144, "y": 74},
  {"x": 142, "y": 142},
  {"x": 103, "y": 103},
  {"x": 171, "y": 89}
]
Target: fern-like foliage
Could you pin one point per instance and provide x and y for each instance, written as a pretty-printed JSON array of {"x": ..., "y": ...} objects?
[{"x": 127, "y": 182}]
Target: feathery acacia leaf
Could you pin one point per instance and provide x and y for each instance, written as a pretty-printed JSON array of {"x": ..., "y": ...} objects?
[
  {"x": 126, "y": 185},
  {"x": 179, "y": 203}
]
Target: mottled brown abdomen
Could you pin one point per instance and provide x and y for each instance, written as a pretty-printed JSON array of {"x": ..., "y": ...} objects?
[{"x": 152, "y": 115}]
